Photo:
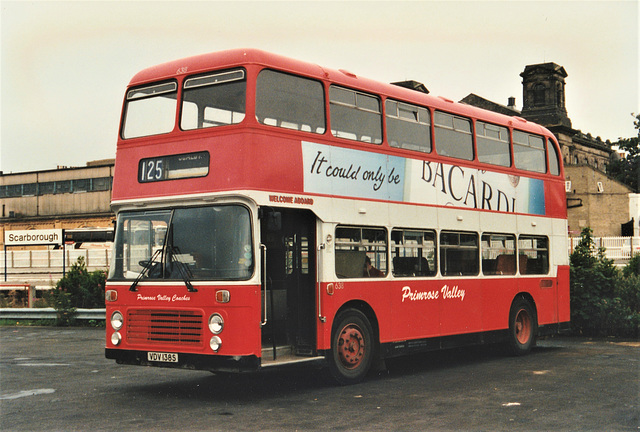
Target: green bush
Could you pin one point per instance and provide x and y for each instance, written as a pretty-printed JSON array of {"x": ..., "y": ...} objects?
[
  {"x": 79, "y": 288},
  {"x": 604, "y": 301}
]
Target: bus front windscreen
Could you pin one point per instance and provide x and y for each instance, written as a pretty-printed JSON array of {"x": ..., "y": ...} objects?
[{"x": 197, "y": 243}]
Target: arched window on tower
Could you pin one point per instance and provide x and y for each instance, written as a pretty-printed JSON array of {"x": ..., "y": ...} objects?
[
  {"x": 539, "y": 94},
  {"x": 559, "y": 98}
]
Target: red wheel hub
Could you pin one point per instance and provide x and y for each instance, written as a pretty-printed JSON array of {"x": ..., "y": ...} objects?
[
  {"x": 523, "y": 326},
  {"x": 351, "y": 346}
]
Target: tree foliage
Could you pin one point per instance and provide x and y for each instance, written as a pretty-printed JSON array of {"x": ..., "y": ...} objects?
[
  {"x": 627, "y": 170},
  {"x": 604, "y": 301},
  {"x": 79, "y": 288}
]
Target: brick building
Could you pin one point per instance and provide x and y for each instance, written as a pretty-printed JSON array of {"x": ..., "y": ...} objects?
[
  {"x": 73, "y": 198},
  {"x": 594, "y": 199},
  {"x": 67, "y": 198}
]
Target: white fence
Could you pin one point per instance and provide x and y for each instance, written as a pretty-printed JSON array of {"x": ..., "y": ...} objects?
[
  {"x": 619, "y": 249},
  {"x": 24, "y": 262},
  {"x": 45, "y": 259},
  {"x": 43, "y": 268}
]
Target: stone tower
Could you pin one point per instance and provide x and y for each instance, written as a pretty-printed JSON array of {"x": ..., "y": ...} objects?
[{"x": 543, "y": 95}]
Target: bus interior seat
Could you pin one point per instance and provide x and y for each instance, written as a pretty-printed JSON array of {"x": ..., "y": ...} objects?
[
  {"x": 411, "y": 266},
  {"x": 506, "y": 264},
  {"x": 522, "y": 263}
]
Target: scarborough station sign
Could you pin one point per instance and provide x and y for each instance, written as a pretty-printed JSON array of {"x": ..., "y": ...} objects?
[{"x": 33, "y": 237}]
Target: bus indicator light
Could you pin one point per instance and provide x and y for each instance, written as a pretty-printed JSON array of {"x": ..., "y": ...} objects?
[
  {"x": 223, "y": 296},
  {"x": 111, "y": 295},
  {"x": 330, "y": 289}
]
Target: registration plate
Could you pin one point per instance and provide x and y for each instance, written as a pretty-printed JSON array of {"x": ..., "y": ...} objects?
[{"x": 162, "y": 357}]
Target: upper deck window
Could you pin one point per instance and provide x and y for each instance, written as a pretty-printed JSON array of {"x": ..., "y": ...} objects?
[
  {"x": 356, "y": 116},
  {"x": 528, "y": 151},
  {"x": 408, "y": 126},
  {"x": 150, "y": 110},
  {"x": 214, "y": 99},
  {"x": 453, "y": 136},
  {"x": 493, "y": 144},
  {"x": 554, "y": 164},
  {"x": 290, "y": 102}
]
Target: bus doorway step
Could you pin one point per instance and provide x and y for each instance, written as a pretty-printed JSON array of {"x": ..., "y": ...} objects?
[{"x": 283, "y": 355}]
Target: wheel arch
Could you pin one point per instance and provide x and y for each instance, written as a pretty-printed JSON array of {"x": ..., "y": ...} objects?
[
  {"x": 367, "y": 310},
  {"x": 528, "y": 297}
]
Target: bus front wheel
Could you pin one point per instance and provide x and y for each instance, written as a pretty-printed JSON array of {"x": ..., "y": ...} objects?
[
  {"x": 522, "y": 327},
  {"x": 352, "y": 347}
]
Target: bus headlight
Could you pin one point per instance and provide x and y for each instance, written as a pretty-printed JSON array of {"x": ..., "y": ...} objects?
[
  {"x": 116, "y": 338},
  {"x": 215, "y": 343},
  {"x": 216, "y": 323},
  {"x": 117, "y": 320}
]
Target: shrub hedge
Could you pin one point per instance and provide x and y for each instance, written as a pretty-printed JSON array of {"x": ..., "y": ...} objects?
[{"x": 604, "y": 300}]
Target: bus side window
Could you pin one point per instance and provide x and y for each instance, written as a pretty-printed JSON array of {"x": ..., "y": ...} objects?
[
  {"x": 453, "y": 136},
  {"x": 408, "y": 126},
  {"x": 354, "y": 245},
  {"x": 493, "y": 144},
  {"x": 290, "y": 102},
  {"x": 554, "y": 164},
  {"x": 414, "y": 253},
  {"x": 356, "y": 116},
  {"x": 498, "y": 254},
  {"x": 534, "y": 254},
  {"x": 528, "y": 152},
  {"x": 459, "y": 253}
]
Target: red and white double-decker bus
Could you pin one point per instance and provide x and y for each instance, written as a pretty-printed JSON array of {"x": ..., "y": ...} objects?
[{"x": 272, "y": 211}]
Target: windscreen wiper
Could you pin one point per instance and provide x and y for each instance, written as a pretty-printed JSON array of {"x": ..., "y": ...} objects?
[
  {"x": 183, "y": 269},
  {"x": 146, "y": 266}
]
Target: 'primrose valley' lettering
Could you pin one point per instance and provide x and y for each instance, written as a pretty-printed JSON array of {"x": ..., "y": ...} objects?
[
  {"x": 446, "y": 293},
  {"x": 453, "y": 181}
]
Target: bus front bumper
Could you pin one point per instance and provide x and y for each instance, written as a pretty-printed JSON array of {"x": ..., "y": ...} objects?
[{"x": 213, "y": 363}]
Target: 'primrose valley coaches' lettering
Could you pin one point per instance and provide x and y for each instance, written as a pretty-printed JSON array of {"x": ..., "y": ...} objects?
[{"x": 162, "y": 297}]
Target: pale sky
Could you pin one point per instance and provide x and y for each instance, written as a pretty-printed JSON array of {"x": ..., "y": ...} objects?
[{"x": 65, "y": 65}]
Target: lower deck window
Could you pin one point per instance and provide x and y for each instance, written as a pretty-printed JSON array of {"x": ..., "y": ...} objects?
[
  {"x": 498, "y": 254},
  {"x": 413, "y": 253},
  {"x": 361, "y": 252},
  {"x": 533, "y": 255},
  {"x": 459, "y": 253}
]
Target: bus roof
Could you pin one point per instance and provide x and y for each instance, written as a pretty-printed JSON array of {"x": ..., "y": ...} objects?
[{"x": 236, "y": 57}]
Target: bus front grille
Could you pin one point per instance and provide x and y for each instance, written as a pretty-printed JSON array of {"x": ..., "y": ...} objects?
[{"x": 164, "y": 327}]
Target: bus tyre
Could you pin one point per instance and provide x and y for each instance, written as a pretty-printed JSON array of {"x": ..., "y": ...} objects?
[
  {"x": 352, "y": 347},
  {"x": 522, "y": 327}
]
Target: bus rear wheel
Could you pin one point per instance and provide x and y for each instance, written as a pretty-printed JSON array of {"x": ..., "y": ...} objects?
[
  {"x": 352, "y": 347},
  {"x": 522, "y": 327}
]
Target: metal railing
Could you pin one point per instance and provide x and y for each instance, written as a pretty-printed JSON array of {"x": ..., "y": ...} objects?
[{"x": 49, "y": 313}]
